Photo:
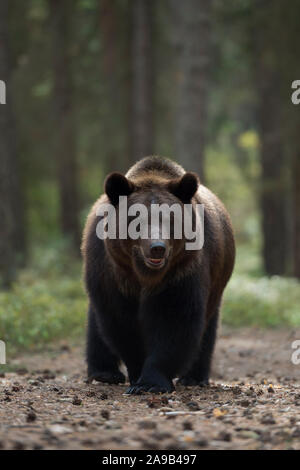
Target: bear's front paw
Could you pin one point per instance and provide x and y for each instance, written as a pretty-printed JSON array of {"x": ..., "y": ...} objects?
[{"x": 109, "y": 377}]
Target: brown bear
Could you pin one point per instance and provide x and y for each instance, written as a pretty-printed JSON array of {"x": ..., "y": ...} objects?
[{"x": 153, "y": 304}]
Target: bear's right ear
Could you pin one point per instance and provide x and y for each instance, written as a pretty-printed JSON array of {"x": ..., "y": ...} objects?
[{"x": 116, "y": 185}]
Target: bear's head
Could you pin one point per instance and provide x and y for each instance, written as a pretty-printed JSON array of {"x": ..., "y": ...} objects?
[{"x": 150, "y": 222}]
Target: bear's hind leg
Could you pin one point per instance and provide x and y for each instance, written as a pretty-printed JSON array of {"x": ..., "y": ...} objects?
[
  {"x": 199, "y": 373},
  {"x": 103, "y": 365}
]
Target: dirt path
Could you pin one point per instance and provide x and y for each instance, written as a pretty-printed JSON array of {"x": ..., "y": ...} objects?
[{"x": 253, "y": 402}]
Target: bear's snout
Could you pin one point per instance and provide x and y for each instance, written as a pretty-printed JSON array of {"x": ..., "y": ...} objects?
[
  {"x": 157, "y": 250},
  {"x": 150, "y": 256}
]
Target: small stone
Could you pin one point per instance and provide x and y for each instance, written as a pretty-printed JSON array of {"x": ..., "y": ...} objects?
[
  {"x": 193, "y": 406},
  {"x": 201, "y": 442},
  {"x": 187, "y": 426},
  {"x": 147, "y": 424},
  {"x": 224, "y": 436},
  {"x": 296, "y": 433},
  {"x": 76, "y": 401},
  {"x": 112, "y": 425},
  {"x": 164, "y": 400},
  {"x": 49, "y": 376},
  {"x": 58, "y": 429},
  {"x": 245, "y": 434},
  {"x": 31, "y": 416},
  {"x": 245, "y": 403},
  {"x": 105, "y": 414},
  {"x": 268, "y": 419}
]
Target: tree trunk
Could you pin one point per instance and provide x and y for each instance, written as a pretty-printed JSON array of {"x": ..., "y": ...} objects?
[
  {"x": 142, "y": 79},
  {"x": 192, "y": 40},
  {"x": 114, "y": 58},
  {"x": 273, "y": 191},
  {"x": 296, "y": 212},
  {"x": 12, "y": 240},
  {"x": 290, "y": 64},
  {"x": 273, "y": 176},
  {"x": 65, "y": 153}
]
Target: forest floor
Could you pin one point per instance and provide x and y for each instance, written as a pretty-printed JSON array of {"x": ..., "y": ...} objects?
[{"x": 253, "y": 402}]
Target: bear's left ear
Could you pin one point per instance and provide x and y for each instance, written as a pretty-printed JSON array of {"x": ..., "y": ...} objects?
[
  {"x": 186, "y": 187},
  {"x": 116, "y": 185}
]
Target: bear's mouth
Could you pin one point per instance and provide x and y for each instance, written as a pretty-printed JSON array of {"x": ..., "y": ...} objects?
[
  {"x": 147, "y": 265},
  {"x": 155, "y": 263}
]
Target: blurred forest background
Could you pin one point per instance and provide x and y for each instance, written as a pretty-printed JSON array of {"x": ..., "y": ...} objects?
[{"x": 94, "y": 85}]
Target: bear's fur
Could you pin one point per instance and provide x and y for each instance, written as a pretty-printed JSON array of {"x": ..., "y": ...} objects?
[{"x": 162, "y": 322}]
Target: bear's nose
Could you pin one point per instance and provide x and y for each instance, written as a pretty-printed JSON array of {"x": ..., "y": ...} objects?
[{"x": 157, "y": 250}]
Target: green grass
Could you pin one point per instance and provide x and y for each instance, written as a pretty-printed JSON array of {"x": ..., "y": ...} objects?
[
  {"x": 252, "y": 299},
  {"x": 38, "y": 311},
  {"x": 48, "y": 302},
  {"x": 263, "y": 302}
]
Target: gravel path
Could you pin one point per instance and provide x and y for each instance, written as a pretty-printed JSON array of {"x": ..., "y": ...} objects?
[{"x": 253, "y": 402}]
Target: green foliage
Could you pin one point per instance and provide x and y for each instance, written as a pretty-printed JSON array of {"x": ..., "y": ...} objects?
[
  {"x": 38, "y": 311},
  {"x": 46, "y": 304},
  {"x": 263, "y": 302},
  {"x": 252, "y": 299},
  {"x": 231, "y": 172}
]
